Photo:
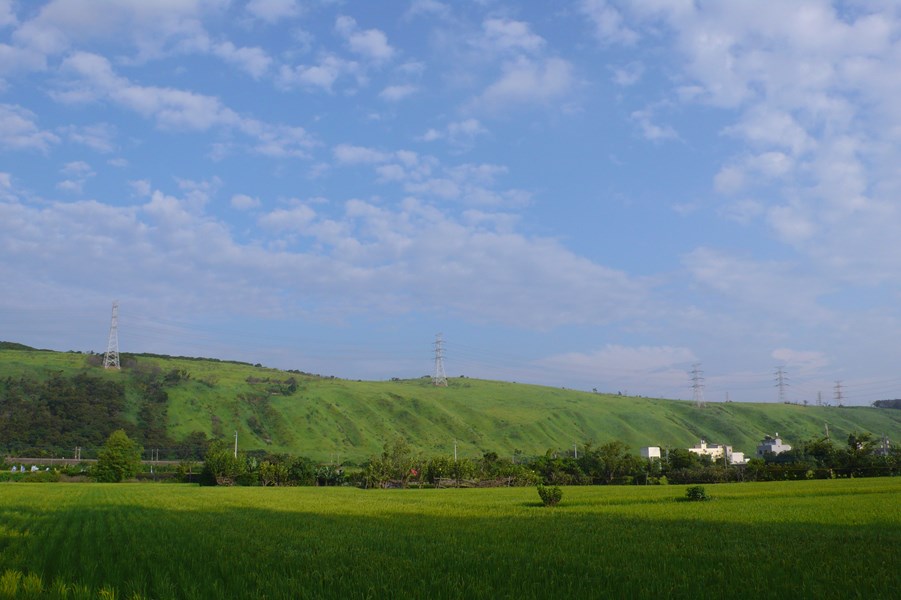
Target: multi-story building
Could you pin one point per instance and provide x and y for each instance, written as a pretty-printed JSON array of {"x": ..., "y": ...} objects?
[{"x": 772, "y": 445}]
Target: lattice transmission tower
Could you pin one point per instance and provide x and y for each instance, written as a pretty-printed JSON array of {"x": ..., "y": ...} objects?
[
  {"x": 839, "y": 394},
  {"x": 781, "y": 382},
  {"x": 697, "y": 384},
  {"x": 111, "y": 358},
  {"x": 439, "y": 378}
]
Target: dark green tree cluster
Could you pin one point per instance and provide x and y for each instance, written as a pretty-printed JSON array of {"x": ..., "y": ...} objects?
[
  {"x": 51, "y": 416},
  {"x": 611, "y": 463},
  {"x": 862, "y": 455},
  {"x": 398, "y": 466},
  {"x": 118, "y": 460},
  {"x": 58, "y": 413},
  {"x": 223, "y": 467}
]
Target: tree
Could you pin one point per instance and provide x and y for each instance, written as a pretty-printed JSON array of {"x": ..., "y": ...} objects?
[
  {"x": 395, "y": 464},
  {"x": 221, "y": 466},
  {"x": 120, "y": 458}
]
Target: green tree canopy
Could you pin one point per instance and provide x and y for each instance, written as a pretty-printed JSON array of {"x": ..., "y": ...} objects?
[{"x": 119, "y": 459}]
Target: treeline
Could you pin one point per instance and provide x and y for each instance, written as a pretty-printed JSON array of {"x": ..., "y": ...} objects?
[
  {"x": 608, "y": 464},
  {"x": 887, "y": 404},
  {"x": 55, "y": 415}
]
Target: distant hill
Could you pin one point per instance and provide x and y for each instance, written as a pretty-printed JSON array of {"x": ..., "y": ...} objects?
[
  {"x": 165, "y": 398},
  {"x": 14, "y": 346}
]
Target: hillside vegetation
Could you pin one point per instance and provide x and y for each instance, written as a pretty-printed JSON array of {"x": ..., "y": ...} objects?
[{"x": 166, "y": 400}]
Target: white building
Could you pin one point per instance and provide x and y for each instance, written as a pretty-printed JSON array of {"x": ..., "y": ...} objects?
[
  {"x": 717, "y": 451},
  {"x": 737, "y": 458},
  {"x": 651, "y": 452},
  {"x": 772, "y": 444}
]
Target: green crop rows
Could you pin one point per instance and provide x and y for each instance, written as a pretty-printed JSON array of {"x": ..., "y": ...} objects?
[{"x": 817, "y": 539}]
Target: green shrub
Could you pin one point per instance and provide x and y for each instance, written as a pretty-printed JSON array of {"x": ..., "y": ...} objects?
[
  {"x": 550, "y": 496},
  {"x": 696, "y": 493},
  {"x": 41, "y": 477}
]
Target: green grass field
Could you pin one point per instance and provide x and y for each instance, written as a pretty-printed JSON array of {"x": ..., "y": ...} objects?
[
  {"x": 328, "y": 418},
  {"x": 818, "y": 539}
]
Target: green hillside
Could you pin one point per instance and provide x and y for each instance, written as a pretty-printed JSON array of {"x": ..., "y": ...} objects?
[{"x": 326, "y": 418}]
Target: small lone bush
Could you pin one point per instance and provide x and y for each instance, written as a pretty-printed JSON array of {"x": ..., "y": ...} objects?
[
  {"x": 550, "y": 496},
  {"x": 696, "y": 493}
]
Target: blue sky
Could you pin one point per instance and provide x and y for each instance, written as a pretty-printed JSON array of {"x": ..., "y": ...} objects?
[{"x": 589, "y": 194}]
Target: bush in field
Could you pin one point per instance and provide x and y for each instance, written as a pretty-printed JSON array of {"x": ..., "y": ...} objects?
[
  {"x": 120, "y": 458},
  {"x": 696, "y": 493},
  {"x": 395, "y": 466},
  {"x": 272, "y": 473},
  {"x": 221, "y": 466},
  {"x": 550, "y": 496}
]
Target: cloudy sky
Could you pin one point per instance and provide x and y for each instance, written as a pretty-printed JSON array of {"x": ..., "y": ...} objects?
[{"x": 590, "y": 194}]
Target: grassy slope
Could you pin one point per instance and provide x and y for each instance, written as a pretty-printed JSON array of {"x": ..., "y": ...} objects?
[{"x": 325, "y": 418}]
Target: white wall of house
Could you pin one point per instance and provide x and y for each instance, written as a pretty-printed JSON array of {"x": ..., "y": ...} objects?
[{"x": 650, "y": 452}]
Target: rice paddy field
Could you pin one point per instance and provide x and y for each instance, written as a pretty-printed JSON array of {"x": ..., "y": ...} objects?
[{"x": 818, "y": 539}]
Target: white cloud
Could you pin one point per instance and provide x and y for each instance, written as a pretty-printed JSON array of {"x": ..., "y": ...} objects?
[
  {"x": 273, "y": 11},
  {"x": 244, "y": 202},
  {"x": 425, "y": 8},
  {"x": 14, "y": 59},
  {"x": 171, "y": 108},
  {"x": 141, "y": 188},
  {"x": 767, "y": 127},
  {"x": 729, "y": 180},
  {"x": 649, "y": 129},
  {"x": 322, "y": 75},
  {"x": 372, "y": 259},
  {"x": 19, "y": 130},
  {"x": 153, "y": 28},
  {"x": 99, "y": 137},
  {"x": 295, "y": 219},
  {"x": 370, "y": 43},
  {"x": 177, "y": 110},
  {"x": 7, "y": 16},
  {"x": 506, "y": 35},
  {"x": 646, "y": 370},
  {"x": 78, "y": 168},
  {"x": 77, "y": 173},
  {"x": 461, "y": 133},
  {"x": 525, "y": 81},
  {"x": 806, "y": 362},
  {"x": 395, "y": 93},
  {"x": 609, "y": 25},
  {"x": 628, "y": 74},
  {"x": 771, "y": 290},
  {"x": 253, "y": 61},
  {"x": 350, "y": 154}
]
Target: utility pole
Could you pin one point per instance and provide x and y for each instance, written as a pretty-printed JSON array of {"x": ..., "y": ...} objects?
[
  {"x": 781, "y": 382},
  {"x": 575, "y": 451},
  {"x": 455, "y": 450},
  {"x": 111, "y": 358},
  {"x": 236, "y": 444},
  {"x": 439, "y": 378},
  {"x": 697, "y": 384},
  {"x": 839, "y": 396}
]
